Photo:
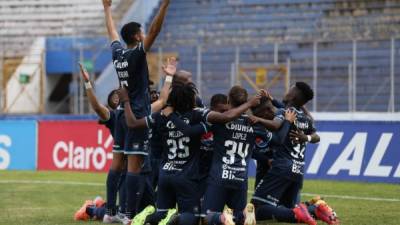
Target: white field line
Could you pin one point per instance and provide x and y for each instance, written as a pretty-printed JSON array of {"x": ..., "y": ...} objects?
[{"x": 250, "y": 192}]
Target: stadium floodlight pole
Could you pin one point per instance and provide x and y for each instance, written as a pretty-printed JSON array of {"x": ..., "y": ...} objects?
[
  {"x": 288, "y": 73},
  {"x": 354, "y": 73},
  {"x": 350, "y": 86},
  {"x": 276, "y": 53},
  {"x": 233, "y": 72},
  {"x": 315, "y": 74},
  {"x": 160, "y": 63},
  {"x": 199, "y": 69},
  {"x": 392, "y": 68},
  {"x": 237, "y": 62}
]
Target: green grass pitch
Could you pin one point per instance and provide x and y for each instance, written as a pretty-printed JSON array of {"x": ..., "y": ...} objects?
[{"x": 53, "y": 197}]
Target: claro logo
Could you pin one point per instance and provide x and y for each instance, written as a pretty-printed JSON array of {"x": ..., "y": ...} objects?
[{"x": 68, "y": 155}]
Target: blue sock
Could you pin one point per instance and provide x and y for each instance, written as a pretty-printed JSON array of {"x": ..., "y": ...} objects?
[
  {"x": 311, "y": 209},
  {"x": 238, "y": 217},
  {"x": 93, "y": 211},
  {"x": 269, "y": 212},
  {"x": 213, "y": 219},
  {"x": 112, "y": 189},
  {"x": 188, "y": 218},
  {"x": 132, "y": 183},
  {"x": 122, "y": 193}
]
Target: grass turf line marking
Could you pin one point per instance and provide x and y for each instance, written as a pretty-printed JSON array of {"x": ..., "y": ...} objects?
[{"x": 250, "y": 192}]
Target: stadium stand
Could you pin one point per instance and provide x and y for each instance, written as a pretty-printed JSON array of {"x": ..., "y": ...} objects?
[
  {"x": 23, "y": 20},
  {"x": 256, "y": 25}
]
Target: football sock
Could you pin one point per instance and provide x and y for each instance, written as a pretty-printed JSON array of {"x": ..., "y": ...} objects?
[
  {"x": 132, "y": 182},
  {"x": 281, "y": 214},
  {"x": 188, "y": 218},
  {"x": 113, "y": 178},
  {"x": 214, "y": 218},
  {"x": 122, "y": 193}
]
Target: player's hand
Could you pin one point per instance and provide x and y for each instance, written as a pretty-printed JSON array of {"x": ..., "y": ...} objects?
[
  {"x": 254, "y": 119},
  {"x": 290, "y": 115},
  {"x": 123, "y": 94},
  {"x": 298, "y": 137},
  {"x": 263, "y": 93},
  {"x": 170, "y": 68},
  {"x": 84, "y": 73},
  {"x": 107, "y": 3},
  {"x": 167, "y": 111},
  {"x": 255, "y": 100}
]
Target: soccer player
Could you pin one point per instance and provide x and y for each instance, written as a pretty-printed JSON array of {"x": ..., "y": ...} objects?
[
  {"x": 276, "y": 194},
  {"x": 107, "y": 116},
  {"x": 131, "y": 66},
  {"x": 233, "y": 147},
  {"x": 179, "y": 172},
  {"x": 263, "y": 153}
]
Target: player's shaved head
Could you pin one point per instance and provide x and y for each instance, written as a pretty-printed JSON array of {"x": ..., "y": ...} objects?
[
  {"x": 237, "y": 96},
  {"x": 183, "y": 76},
  {"x": 265, "y": 109},
  {"x": 219, "y": 103}
]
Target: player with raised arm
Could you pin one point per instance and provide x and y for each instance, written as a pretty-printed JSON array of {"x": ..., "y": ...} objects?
[
  {"x": 132, "y": 70},
  {"x": 276, "y": 194},
  {"x": 178, "y": 181},
  {"x": 107, "y": 116},
  {"x": 233, "y": 146}
]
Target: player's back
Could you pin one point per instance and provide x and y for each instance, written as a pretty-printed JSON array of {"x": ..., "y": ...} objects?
[
  {"x": 132, "y": 70},
  {"x": 180, "y": 152},
  {"x": 233, "y": 146}
]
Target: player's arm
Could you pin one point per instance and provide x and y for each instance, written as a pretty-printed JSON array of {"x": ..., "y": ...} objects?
[
  {"x": 169, "y": 70},
  {"x": 300, "y": 137},
  {"x": 130, "y": 117},
  {"x": 156, "y": 25},
  {"x": 280, "y": 136},
  {"x": 274, "y": 102},
  {"x": 186, "y": 129},
  {"x": 217, "y": 117},
  {"x": 112, "y": 31},
  {"x": 101, "y": 110}
]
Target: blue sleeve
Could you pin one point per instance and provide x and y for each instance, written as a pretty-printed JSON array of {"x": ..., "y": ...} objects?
[
  {"x": 278, "y": 104},
  {"x": 279, "y": 137},
  {"x": 116, "y": 49},
  {"x": 280, "y": 114},
  {"x": 187, "y": 129},
  {"x": 152, "y": 120}
]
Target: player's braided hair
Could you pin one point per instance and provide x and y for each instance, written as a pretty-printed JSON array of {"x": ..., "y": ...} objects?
[
  {"x": 306, "y": 91},
  {"x": 182, "y": 96}
]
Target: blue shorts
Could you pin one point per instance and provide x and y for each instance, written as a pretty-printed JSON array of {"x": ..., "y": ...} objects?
[
  {"x": 130, "y": 141},
  {"x": 217, "y": 196},
  {"x": 176, "y": 190},
  {"x": 276, "y": 190}
]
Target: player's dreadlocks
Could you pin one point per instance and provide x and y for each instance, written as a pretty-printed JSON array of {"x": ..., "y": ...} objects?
[{"x": 182, "y": 96}]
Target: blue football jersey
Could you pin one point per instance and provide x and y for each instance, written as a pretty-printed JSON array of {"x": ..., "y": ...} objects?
[
  {"x": 132, "y": 71},
  {"x": 289, "y": 157},
  {"x": 180, "y": 152}
]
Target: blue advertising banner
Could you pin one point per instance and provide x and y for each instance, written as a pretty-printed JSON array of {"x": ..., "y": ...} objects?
[
  {"x": 355, "y": 151},
  {"x": 18, "y": 145}
]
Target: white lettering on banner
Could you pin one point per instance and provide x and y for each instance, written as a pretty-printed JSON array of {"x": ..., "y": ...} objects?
[
  {"x": 80, "y": 157},
  {"x": 327, "y": 138},
  {"x": 374, "y": 168},
  {"x": 356, "y": 148},
  {"x": 4, "y": 155},
  {"x": 397, "y": 172}
]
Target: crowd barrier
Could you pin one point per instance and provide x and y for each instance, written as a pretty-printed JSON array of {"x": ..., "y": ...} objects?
[{"x": 349, "y": 150}]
